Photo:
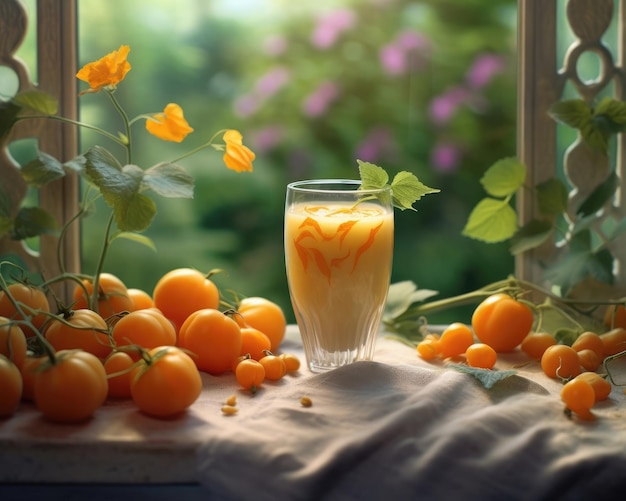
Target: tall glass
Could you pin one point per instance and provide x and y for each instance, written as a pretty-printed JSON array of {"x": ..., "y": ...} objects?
[{"x": 338, "y": 254}]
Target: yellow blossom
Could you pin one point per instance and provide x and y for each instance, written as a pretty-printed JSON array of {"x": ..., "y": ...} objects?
[
  {"x": 237, "y": 157},
  {"x": 169, "y": 125},
  {"x": 107, "y": 71}
]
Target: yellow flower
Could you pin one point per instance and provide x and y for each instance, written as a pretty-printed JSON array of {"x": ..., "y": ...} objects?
[
  {"x": 237, "y": 157},
  {"x": 107, "y": 71},
  {"x": 169, "y": 125}
]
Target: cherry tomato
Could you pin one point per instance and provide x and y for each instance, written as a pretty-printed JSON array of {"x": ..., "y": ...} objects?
[
  {"x": 601, "y": 387},
  {"x": 214, "y": 339},
  {"x": 589, "y": 341},
  {"x": 147, "y": 328},
  {"x": 254, "y": 342},
  {"x": 118, "y": 369},
  {"x": 579, "y": 397},
  {"x": 481, "y": 355},
  {"x": 182, "y": 291},
  {"x": 292, "y": 362},
  {"x": 274, "y": 366},
  {"x": 72, "y": 388},
  {"x": 614, "y": 341},
  {"x": 10, "y": 387},
  {"x": 12, "y": 342},
  {"x": 140, "y": 298},
  {"x": 264, "y": 315},
  {"x": 166, "y": 384},
  {"x": 112, "y": 296},
  {"x": 455, "y": 339},
  {"x": 615, "y": 316},
  {"x": 536, "y": 343},
  {"x": 250, "y": 374},
  {"x": 502, "y": 322},
  {"x": 87, "y": 331},
  {"x": 28, "y": 370},
  {"x": 32, "y": 299},
  {"x": 560, "y": 361}
]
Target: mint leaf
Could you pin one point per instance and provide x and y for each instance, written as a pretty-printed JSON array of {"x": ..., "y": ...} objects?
[
  {"x": 407, "y": 190},
  {"x": 487, "y": 377},
  {"x": 491, "y": 221},
  {"x": 373, "y": 177},
  {"x": 504, "y": 177},
  {"x": 573, "y": 112}
]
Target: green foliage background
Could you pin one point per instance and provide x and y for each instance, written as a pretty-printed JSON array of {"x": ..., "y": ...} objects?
[{"x": 207, "y": 55}]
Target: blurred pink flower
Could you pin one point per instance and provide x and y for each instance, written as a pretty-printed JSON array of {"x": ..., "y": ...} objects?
[
  {"x": 265, "y": 139},
  {"x": 330, "y": 26},
  {"x": 445, "y": 157},
  {"x": 318, "y": 101},
  {"x": 407, "y": 51},
  {"x": 275, "y": 45},
  {"x": 270, "y": 83},
  {"x": 393, "y": 59},
  {"x": 411, "y": 40},
  {"x": 483, "y": 69},
  {"x": 376, "y": 144},
  {"x": 444, "y": 106},
  {"x": 246, "y": 105}
]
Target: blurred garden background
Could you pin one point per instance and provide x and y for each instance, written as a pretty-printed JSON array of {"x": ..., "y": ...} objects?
[{"x": 427, "y": 86}]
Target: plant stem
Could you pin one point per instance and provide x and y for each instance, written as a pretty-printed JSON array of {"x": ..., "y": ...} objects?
[
  {"x": 96, "y": 278},
  {"x": 199, "y": 148},
  {"x": 128, "y": 142}
]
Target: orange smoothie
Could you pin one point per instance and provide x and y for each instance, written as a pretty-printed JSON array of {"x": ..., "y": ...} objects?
[{"x": 338, "y": 260}]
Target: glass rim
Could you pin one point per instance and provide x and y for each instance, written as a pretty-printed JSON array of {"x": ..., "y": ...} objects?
[{"x": 317, "y": 186}]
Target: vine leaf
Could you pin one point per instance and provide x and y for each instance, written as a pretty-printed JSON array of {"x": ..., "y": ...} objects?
[
  {"x": 491, "y": 221},
  {"x": 487, "y": 377}
]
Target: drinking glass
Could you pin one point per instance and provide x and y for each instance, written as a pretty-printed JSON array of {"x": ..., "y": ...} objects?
[{"x": 338, "y": 255}]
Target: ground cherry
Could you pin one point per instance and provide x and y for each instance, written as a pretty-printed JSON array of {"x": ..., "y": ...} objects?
[
  {"x": 250, "y": 374},
  {"x": 428, "y": 349},
  {"x": 455, "y": 339},
  {"x": 579, "y": 397},
  {"x": 502, "y": 322},
  {"x": 560, "y": 361},
  {"x": 536, "y": 343},
  {"x": 481, "y": 355}
]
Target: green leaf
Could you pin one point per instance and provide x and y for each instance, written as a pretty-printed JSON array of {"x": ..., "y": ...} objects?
[
  {"x": 573, "y": 112},
  {"x": 402, "y": 295},
  {"x": 135, "y": 237},
  {"x": 373, "y": 177},
  {"x": 77, "y": 164},
  {"x": 488, "y": 378},
  {"x": 407, "y": 190},
  {"x": 614, "y": 111},
  {"x": 102, "y": 169},
  {"x": 599, "y": 196},
  {"x": 552, "y": 197},
  {"x": 595, "y": 137},
  {"x": 531, "y": 235},
  {"x": 491, "y": 221},
  {"x": 134, "y": 213},
  {"x": 504, "y": 177},
  {"x": 44, "y": 169},
  {"x": 6, "y": 225},
  {"x": 169, "y": 180},
  {"x": 37, "y": 101},
  {"x": 32, "y": 222}
]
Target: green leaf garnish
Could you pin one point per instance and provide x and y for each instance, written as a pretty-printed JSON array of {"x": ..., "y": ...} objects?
[
  {"x": 487, "y": 377},
  {"x": 406, "y": 187}
]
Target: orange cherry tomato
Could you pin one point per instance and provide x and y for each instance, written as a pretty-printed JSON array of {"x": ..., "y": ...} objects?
[
  {"x": 264, "y": 315},
  {"x": 481, "y": 355},
  {"x": 455, "y": 339},
  {"x": 502, "y": 322},
  {"x": 274, "y": 366},
  {"x": 250, "y": 374},
  {"x": 292, "y": 362},
  {"x": 579, "y": 397},
  {"x": 140, "y": 298},
  {"x": 147, "y": 328},
  {"x": 28, "y": 370},
  {"x": 72, "y": 388},
  {"x": 536, "y": 343},
  {"x": 601, "y": 387},
  {"x": 112, "y": 296},
  {"x": 33, "y": 301},
  {"x": 589, "y": 341},
  {"x": 10, "y": 387},
  {"x": 12, "y": 342},
  {"x": 615, "y": 316},
  {"x": 214, "y": 339},
  {"x": 614, "y": 341},
  {"x": 254, "y": 342},
  {"x": 182, "y": 291},
  {"x": 118, "y": 367},
  {"x": 560, "y": 361},
  {"x": 87, "y": 331},
  {"x": 167, "y": 383}
]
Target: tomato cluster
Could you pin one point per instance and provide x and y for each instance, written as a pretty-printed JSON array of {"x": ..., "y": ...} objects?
[
  {"x": 122, "y": 343},
  {"x": 501, "y": 323}
]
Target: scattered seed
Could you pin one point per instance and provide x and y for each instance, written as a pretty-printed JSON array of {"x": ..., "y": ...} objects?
[
  {"x": 229, "y": 410},
  {"x": 232, "y": 400},
  {"x": 306, "y": 402}
]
